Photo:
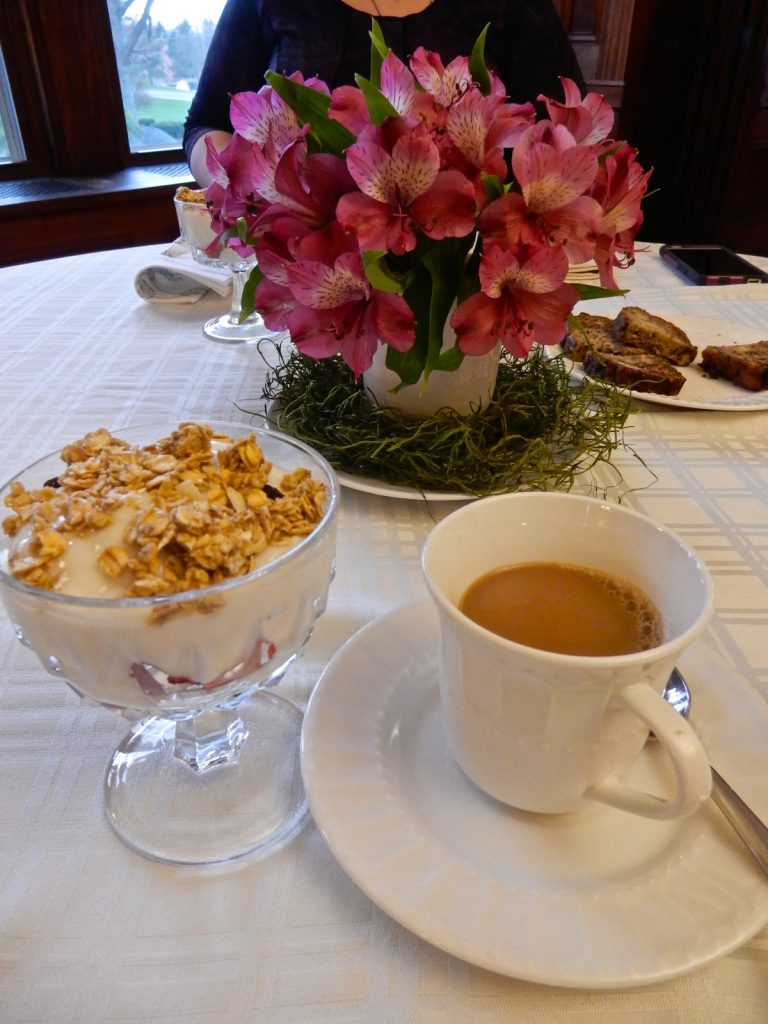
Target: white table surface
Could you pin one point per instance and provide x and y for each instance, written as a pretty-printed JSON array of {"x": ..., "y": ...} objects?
[{"x": 90, "y": 931}]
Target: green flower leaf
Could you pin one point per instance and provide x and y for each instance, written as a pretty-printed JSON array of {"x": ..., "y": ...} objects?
[
  {"x": 311, "y": 107},
  {"x": 242, "y": 230},
  {"x": 379, "y": 51},
  {"x": 379, "y": 107},
  {"x": 592, "y": 291},
  {"x": 247, "y": 302},
  {"x": 450, "y": 360},
  {"x": 477, "y": 65},
  {"x": 379, "y": 273},
  {"x": 494, "y": 186}
]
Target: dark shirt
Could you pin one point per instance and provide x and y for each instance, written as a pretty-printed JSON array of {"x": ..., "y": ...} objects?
[{"x": 526, "y": 46}]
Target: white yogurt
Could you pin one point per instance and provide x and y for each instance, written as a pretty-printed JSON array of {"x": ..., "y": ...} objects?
[{"x": 118, "y": 652}]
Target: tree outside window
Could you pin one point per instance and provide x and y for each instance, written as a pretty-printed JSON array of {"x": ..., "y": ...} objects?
[{"x": 160, "y": 47}]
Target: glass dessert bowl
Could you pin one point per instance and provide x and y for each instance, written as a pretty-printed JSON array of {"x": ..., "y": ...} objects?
[
  {"x": 196, "y": 230},
  {"x": 210, "y": 768}
]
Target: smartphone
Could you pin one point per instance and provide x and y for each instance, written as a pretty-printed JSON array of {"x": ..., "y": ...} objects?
[{"x": 711, "y": 264}]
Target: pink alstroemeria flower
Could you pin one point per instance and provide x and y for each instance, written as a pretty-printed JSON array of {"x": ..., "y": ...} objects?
[
  {"x": 524, "y": 299},
  {"x": 589, "y": 120},
  {"x": 448, "y": 84},
  {"x": 330, "y": 305},
  {"x": 480, "y": 128},
  {"x": 231, "y": 195},
  {"x": 348, "y": 105},
  {"x": 620, "y": 186},
  {"x": 402, "y": 189},
  {"x": 308, "y": 185},
  {"x": 442, "y": 88},
  {"x": 444, "y": 84},
  {"x": 554, "y": 174},
  {"x": 265, "y": 162},
  {"x": 263, "y": 116},
  {"x": 470, "y": 129}
]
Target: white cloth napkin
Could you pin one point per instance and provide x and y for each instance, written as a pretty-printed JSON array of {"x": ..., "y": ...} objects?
[{"x": 174, "y": 276}]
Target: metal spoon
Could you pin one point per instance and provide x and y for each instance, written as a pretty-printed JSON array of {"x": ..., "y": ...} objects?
[{"x": 750, "y": 829}]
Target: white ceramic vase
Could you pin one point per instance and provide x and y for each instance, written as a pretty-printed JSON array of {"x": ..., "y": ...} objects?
[{"x": 465, "y": 390}]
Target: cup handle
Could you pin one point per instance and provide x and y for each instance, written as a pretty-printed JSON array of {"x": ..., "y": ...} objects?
[{"x": 693, "y": 775}]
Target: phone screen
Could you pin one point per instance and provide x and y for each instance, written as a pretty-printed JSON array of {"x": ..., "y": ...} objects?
[
  {"x": 713, "y": 261},
  {"x": 706, "y": 264}
]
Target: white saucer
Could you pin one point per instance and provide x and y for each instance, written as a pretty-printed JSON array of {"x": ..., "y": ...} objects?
[{"x": 594, "y": 899}]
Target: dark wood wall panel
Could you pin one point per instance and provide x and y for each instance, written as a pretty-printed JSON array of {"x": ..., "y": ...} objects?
[
  {"x": 696, "y": 119},
  {"x": 73, "y": 226},
  {"x": 89, "y": 139}
]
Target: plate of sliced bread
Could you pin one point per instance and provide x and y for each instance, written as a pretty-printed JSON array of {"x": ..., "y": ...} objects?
[{"x": 688, "y": 361}]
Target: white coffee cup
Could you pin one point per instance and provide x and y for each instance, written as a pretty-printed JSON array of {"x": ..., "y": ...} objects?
[{"x": 538, "y": 730}]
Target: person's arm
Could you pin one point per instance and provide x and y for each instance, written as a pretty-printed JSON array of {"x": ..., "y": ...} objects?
[{"x": 237, "y": 60}]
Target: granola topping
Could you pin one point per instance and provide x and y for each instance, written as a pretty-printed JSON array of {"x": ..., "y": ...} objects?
[
  {"x": 191, "y": 510},
  {"x": 185, "y": 194}
]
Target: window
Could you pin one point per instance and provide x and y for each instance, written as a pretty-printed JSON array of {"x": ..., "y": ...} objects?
[
  {"x": 11, "y": 146},
  {"x": 160, "y": 47},
  {"x": 97, "y": 86},
  {"x": 90, "y": 154}
]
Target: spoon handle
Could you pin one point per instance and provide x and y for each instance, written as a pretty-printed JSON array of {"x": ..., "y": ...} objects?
[{"x": 751, "y": 830}]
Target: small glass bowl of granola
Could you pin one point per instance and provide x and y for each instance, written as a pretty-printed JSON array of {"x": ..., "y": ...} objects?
[
  {"x": 173, "y": 574},
  {"x": 197, "y": 231},
  {"x": 195, "y": 222}
]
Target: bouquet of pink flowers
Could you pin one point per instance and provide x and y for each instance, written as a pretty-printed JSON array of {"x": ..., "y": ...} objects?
[{"x": 419, "y": 197}]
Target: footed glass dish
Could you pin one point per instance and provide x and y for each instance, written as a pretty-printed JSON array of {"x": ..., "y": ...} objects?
[
  {"x": 229, "y": 329},
  {"x": 209, "y": 770}
]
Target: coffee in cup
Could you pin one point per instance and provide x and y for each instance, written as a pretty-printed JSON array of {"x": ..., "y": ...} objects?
[{"x": 542, "y": 729}]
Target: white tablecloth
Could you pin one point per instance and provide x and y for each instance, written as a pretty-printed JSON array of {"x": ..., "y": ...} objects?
[{"x": 92, "y": 932}]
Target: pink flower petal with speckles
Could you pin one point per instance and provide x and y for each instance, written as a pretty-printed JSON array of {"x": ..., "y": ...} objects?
[
  {"x": 543, "y": 271},
  {"x": 250, "y": 114},
  {"x": 321, "y": 287},
  {"x": 445, "y": 84},
  {"x": 414, "y": 165},
  {"x": 371, "y": 168},
  {"x": 467, "y": 124},
  {"x": 496, "y": 268},
  {"x": 550, "y": 179},
  {"x": 397, "y": 83}
]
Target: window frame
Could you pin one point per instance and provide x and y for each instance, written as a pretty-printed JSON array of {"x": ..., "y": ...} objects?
[{"x": 65, "y": 85}]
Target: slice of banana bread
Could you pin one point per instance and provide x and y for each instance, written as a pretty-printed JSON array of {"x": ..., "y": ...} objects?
[
  {"x": 744, "y": 365},
  {"x": 590, "y": 333},
  {"x": 639, "y": 371},
  {"x": 636, "y": 328}
]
